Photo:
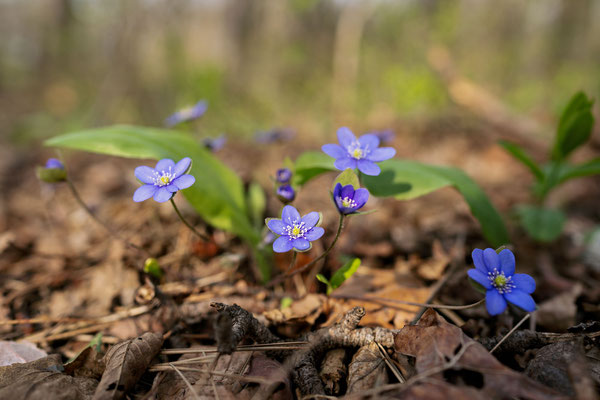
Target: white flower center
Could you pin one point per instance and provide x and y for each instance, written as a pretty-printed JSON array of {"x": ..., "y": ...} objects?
[
  {"x": 163, "y": 178},
  {"x": 347, "y": 202},
  {"x": 502, "y": 283},
  {"x": 296, "y": 230},
  {"x": 356, "y": 151}
]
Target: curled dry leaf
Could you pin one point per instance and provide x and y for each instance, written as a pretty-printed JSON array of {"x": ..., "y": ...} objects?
[
  {"x": 43, "y": 379},
  {"x": 443, "y": 351},
  {"x": 333, "y": 371},
  {"x": 125, "y": 364},
  {"x": 18, "y": 352},
  {"x": 367, "y": 369}
]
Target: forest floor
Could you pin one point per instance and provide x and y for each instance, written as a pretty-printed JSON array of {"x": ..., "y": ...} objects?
[{"x": 64, "y": 280}]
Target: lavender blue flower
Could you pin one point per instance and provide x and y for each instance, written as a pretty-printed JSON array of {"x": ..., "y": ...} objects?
[
  {"x": 215, "y": 144},
  {"x": 187, "y": 114},
  {"x": 164, "y": 180},
  {"x": 295, "y": 232},
  {"x": 283, "y": 175},
  {"x": 348, "y": 200},
  {"x": 274, "y": 136},
  {"x": 496, "y": 273},
  {"x": 361, "y": 153},
  {"x": 54, "y": 163},
  {"x": 385, "y": 136},
  {"x": 286, "y": 193}
]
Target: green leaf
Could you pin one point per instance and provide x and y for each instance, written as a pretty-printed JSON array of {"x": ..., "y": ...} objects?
[
  {"x": 591, "y": 167},
  {"x": 574, "y": 127},
  {"x": 408, "y": 179},
  {"x": 322, "y": 279},
  {"x": 519, "y": 153},
  {"x": 345, "y": 272},
  {"x": 348, "y": 177},
  {"x": 542, "y": 224},
  {"x": 310, "y": 164},
  {"x": 285, "y": 302},
  {"x": 217, "y": 195},
  {"x": 257, "y": 202}
]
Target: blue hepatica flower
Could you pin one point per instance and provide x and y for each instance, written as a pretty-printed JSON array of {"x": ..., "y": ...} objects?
[
  {"x": 276, "y": 135},
  {"x": 295, "y": 232},
  {"x": 214, "y": 144},
  {"x": 54, "y": 163},
  {"x": 286, "y": 193},
  {"x": 347, "y": 200},
  {"x": 496, "y": 273},
  {"x": 283, "y": 175},
  {"x": 164, "y": 180},
  {"x": 361, "y": 153},
  {"x": 187, "y": 114}
]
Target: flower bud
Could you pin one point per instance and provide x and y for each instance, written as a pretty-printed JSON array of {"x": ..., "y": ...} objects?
[
  {"x": 53, "y": 172},
  {"x": 283, "y": 175},
  {"x": 286, "y": 194}
]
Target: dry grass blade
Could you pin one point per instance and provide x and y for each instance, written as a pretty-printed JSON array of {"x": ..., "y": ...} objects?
[
  {"x": 189, "y": 385},
  {"x": 391, "y": 364},
  {"x": 258, "y": 347}
]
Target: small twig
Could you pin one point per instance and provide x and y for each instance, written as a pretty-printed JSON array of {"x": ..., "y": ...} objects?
[
  {"x": 525, "y": 318},
  {"x": 247, "y": 347},
  {"x": 200, "y": 235},
  {"x": 390, "y": 364},
  {"x": 189, "y": 385},
  {"x": 382, "y": 300}
]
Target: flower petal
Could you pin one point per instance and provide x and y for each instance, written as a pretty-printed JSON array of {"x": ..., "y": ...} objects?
[
  {"x": 480, "y": 278},
  {"x": 301, "y": 244},
  {"x": 521, "y": 299},
  {"x": 343, "y": 163},
  {"x": 345, "y": 137},
  {"x": 491, "y": 259},
  {"x": 347, "y": 191},
  {"x": 164, "y": 165},
  {"x": 311, "y": 219},
  {"x": 369, "y": 141},
  {"x": 494, "y": 302},
  {"x": 277, "y": 226},
  {"x": 507, "y": 262},
  {"x": 381, "y": 154},
  {"x": 334, "y": 150},
  {"x": 184, "y": 181},
  {"x": 162, "y": 195},
  {"x": 477, "y": 256},
  {"x": 315, "y": 233},
  {"x": 368, "y": 167},
  {"x": 145, "y": 174},
  {"x": 360, "y": 197},
  {"x": 282, "y": 244},
  {"x": 337, "y": 190},
  {"x": 172, "y": 188},
  {"x": 524, "y": 282},
  {"x": 289, "y": 215},
  {"x": 144, "y": 193},
  {"x": 182, "y": 166}
]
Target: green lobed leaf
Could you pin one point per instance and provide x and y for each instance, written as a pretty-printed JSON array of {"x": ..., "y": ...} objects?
[
  {"x": 345, "y": 272},
  {"x": 519, "y": 153},
  {"x": 591, "y": 167},
  {"x": 348, "y": 177},
  {"x": 217, "y": 195},
  {"x": 322, "y": 279},
  {"x": 542, "y": 224},
  {"x": 574, "y": 127},
  {"x": 310, "y": 164}
]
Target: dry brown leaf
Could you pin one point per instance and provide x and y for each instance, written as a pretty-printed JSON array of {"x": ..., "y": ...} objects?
[
  {"x": 18, "y": 352},
  {"x": 367, "y": 369},
  {"x": 42, "y": 379},
  {"x": 125, "y": 364},
  {"x": 433, "y": 268},
  {"x": 558, "y": 313},
  {"x": 333, "y": 371},
  {"x": 307, "y": 309},
  {"x": 89, "y": 363},
  {"x": 434, "y": 342}
]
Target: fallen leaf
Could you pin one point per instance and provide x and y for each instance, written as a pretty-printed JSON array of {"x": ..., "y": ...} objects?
[
  {"x": 558, "y": 313},
  {"x": 125, "y": 364},
  {"x": 433, "y": 268},
  {"x": 367, "y": 369},
  {"x": 442, "y": 350},
  {"x": 307, "y": 309},
  {"x": 19, "y": 352}
]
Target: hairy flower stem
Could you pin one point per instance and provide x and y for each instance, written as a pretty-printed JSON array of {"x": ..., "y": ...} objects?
[
  {"x": 200, "y": 235},
  {"x": 313, "y": 262},
  {"x": 88, "y": 210}
]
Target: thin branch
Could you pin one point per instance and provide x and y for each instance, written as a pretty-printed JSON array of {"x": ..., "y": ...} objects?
[{"x": 525, "y": 318}]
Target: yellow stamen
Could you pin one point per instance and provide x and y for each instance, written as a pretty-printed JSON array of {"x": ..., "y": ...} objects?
[{"x": 500, "y": 281}]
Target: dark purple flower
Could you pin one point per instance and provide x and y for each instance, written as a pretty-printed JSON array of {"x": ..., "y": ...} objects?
[
  {"x": 283, "y": 175},
  {"x": 54, "y": 163},
  {"x": 361, "y": 153},
  {"x": 274, "y": 136},
  {"x": 385, "y": 136},
  {"x": 286, "y": 194},
  {"x": 164, "y": 180},
  {"x": 348, "y": 200},
  {"x": 215, "y": 144},
  {"x": 187, "y": 114},
  {"x": 496, "y": 273},
  {"x": 295, "y": 232}
]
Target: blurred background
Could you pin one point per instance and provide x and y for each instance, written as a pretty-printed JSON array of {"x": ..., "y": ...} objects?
[{"x": 308, "y": 65}]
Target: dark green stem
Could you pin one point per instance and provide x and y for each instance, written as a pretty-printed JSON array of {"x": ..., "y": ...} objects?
[
  {"x": 293, "y": 262},
  {"x": 200, "y": 235}
]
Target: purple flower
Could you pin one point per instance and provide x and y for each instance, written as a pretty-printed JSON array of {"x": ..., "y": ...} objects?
[
  {"x": 385, "y": 136},
  {"x": 347, "y": 200},
  {"x": 283, "y": 175},
  {"x": 286, "y": 194},
  {"x": 274, "y": 135},
  {"x": 295, "y": 232},
  {"x": 496, "y": 273},
  {"x": 214, "y": 144},
  {"x": 187, "y": 114},
  {"x": 361, "y": 153},
  {"x": 54, "y": 163},
  {"x": 163, "y": 181}
]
